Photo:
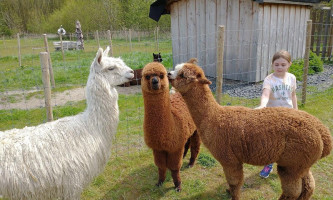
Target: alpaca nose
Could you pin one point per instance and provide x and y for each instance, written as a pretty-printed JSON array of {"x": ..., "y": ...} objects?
[
  {"x": 154, "y": 81},
  {"x": 170, "y": 75}
]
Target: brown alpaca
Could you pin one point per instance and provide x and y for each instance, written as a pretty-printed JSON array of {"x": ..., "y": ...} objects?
[
  {"x": 293, "y": 139},
  {"x": 168, "y": 124}
]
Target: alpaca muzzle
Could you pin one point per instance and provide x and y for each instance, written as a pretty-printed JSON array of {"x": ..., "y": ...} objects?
[{"x": 155, "y": 83}]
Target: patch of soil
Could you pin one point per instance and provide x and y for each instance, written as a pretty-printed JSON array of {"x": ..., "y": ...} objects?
[
  {"x": 58, "y": 99},
  {"x": 321, "y": 81}
]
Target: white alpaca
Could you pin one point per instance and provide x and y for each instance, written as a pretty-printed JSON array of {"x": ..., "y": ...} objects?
[{"x": 58, "y": 159}]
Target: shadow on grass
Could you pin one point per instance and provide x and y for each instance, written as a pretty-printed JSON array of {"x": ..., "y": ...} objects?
[
  {"x": 141, "y": 184},
  {"x": 251, "y": 183}
]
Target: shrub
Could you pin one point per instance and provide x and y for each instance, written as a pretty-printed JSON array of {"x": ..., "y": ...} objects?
[
  {"x": 315, "y": 63},
  {"x": 315, "y": 66}
]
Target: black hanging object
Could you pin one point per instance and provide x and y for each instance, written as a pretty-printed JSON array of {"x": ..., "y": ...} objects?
[{"x": 157, "y": 9}]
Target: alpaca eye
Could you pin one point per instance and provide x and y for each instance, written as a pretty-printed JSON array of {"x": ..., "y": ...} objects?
[
  {"x": 147, "y": 77},
  {"x": 111, "y": 68},
  {"x": 182, "y": 75},
  {"x": 161, "y": 76},
  {"x": 199, "y": 76}
]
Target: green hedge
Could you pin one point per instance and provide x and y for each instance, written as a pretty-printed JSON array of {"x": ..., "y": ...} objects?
[{"x": 315, "y": 65}]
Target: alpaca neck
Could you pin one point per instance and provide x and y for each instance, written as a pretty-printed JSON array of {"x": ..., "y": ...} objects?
[
  {"x": 102, "y": 104},
  {"x": 200, "y": 101},
  {"x": 158, "y": 109}
]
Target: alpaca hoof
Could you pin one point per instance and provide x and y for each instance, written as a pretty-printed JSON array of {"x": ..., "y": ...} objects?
[
  {"x": 228, "y": 191},
  {"x": 178, "y": 189},
  {"x": 190, "y": 165},
  {"x": 159, "y": 184}
]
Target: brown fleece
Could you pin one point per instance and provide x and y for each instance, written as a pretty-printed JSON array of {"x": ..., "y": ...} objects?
[
  {"x": 168, "y": 124},
  {"x": 234, "y": 135}
]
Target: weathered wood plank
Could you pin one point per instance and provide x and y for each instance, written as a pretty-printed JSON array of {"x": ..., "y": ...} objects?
[
  {"x": 266, "y": 40},
  {"x": 291, "y": 30},
  {"x": 297, "y": 33},
  {"x": 182, "y": 15},
  {"x": 272, "y": 36},
  {"x": 286, "y": 28},
  {"x": 201, "y": 30},
  {"x": 254, "y": 32},
  {"x": 280, "y": 28},
  {"x": 175, "y": 33},
  {"x": 245, "y": 38},
  {"x": 211, "y": 29},
  {"x": 301, "y": 33},
  {"x": 222, "y": 20},
  {"x": 257, "y": 40},
  {"x": 192, "y": 36},
  {"x": 232, "y": 37}
]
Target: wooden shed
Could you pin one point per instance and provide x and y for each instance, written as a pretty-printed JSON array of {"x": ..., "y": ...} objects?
[{"x": 254, "y": 31}]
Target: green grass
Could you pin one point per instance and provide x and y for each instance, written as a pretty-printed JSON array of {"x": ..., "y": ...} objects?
[
  {"x": 74, "y": 68},
  {"x": 131, "y": 173}
]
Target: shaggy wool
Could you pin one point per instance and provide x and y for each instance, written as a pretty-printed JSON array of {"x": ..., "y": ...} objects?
[
  {"x": 58, "y": 159},
  {"x": 234, "y": 135},
  {"x": 168, "y": 125}
]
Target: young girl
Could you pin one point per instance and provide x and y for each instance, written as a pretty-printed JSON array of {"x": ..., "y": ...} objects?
[{"x": 279, "y": 90}]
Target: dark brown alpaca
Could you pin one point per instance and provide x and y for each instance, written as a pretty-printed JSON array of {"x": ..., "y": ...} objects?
[
  {"x": 293, "y": 139},
  {"x": 168, "y": 124}
]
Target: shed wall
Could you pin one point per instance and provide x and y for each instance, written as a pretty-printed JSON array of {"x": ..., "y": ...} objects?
[{"x": 254, "y": 32}]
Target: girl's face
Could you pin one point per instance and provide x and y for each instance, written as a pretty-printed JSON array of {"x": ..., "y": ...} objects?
[{"x": 280, "y": 67}]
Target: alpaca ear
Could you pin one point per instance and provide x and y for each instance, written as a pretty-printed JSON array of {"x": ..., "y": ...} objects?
[
  {"x": 193, "y": 61},
  {"x": 204, "y": 81},
  {"x": 99, "y": 56},
  {"x": 106, "y": 52}
]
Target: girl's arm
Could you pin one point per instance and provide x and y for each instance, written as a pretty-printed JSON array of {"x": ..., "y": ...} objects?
[
  {"x": 294, "y": 100},
  {"x": 264, "y": 98}
]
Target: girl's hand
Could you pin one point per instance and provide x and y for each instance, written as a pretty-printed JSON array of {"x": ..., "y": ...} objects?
[{"x": 259, "y": 107}]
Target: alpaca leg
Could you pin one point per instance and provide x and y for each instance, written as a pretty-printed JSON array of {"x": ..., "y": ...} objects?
[
  {"x": 160, "y": 161},
  {"x": 235, "y": 179},
  {"x": 187, "y": 146},
  {"x": 291, "y": 182},
  {"x": 195, "y": 148},
  {"x": 308, "y": 185},
  {"x": 176, "y": 180},
  {"x": 174, "y": 162}
]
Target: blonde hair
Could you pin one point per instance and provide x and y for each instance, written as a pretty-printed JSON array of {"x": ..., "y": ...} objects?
[{"x": 282, "y": 54}]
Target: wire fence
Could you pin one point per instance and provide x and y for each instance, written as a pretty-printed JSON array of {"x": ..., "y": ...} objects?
[{"x": 21, "y": 88}]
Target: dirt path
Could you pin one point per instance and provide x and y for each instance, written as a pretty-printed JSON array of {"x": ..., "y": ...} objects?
[{"x": 58, "y": 99}]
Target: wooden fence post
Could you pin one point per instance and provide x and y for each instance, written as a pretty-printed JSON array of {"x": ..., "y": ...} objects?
[
  {"x": 19, "y": 49},
  {"x": 130, "y": 38},
  {"x": 306, "y": 59},
  {"x": 97, "y": 38},
  {"x": 46, "y": 83},
  {"x": 49, "y": 61},
  {"x": 62, "y": 47},
  {"x": 110, "y": 41},
  {"x": 219, "y": 65},
  {"x": 156, "y": 38},
  {"x": 139, "y": 34}
]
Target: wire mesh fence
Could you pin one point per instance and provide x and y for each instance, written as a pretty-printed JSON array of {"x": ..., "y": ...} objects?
[{"x": 21, "y": 96}]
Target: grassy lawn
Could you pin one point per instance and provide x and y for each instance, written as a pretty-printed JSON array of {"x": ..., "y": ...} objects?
[
  {"x": 134, "y": 176},
  {"x": 74, "y": 69},
  {"x": 131, "y": 173}
]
